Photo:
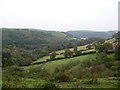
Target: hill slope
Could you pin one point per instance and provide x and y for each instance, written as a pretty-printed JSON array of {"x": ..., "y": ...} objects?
[
  {"x": 89, "y": 34},
  {"x": 33, "y": 38}
]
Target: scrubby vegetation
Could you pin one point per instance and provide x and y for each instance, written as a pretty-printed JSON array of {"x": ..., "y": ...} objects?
[{"x": 32, "y": 65}]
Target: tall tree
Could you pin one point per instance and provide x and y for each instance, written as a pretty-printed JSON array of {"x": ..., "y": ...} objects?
[
  {"x": 52, "y": 55},
  {"x": 117, "y": 52}
]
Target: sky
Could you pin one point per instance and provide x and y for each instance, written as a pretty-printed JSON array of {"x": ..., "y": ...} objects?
[{"x": 60, "y": 15}]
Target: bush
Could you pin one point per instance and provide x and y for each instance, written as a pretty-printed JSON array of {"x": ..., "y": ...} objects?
[
  {"x": 14, "y": 71},
  {"x": 91, "y": 81},
  {"x": 62, "y": 77},
  {"x": 24, "y": 62},
  {"x": 114, "y": 68},
  {"x": 13, "y": 82},
  {"x": 38, "y": 72},
  {"x": 97, "y": 69},
  {"x": 87, "y": 63},
  {"x": 89, "y": 46},
  {"x": 117, "y": 52},
  {"x": 49, "y": 86},
  {"x": 79, "y": 73},
  {"x": 77, "y": 53},
  {"x": 107, "y": 73}
]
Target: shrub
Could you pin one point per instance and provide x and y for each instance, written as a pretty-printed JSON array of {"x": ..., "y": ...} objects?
[
  {"x": 107, "y": 73},
  {"x": 52, "y": 55},
  {"x": 114, "y": 68},
  {"x": 68, "y": 65},
  {"x": 14, "y": 71},
  {"x": 89, "y": 46},
  {"x": 91, "y": 81},
  {"x": 87, "y": 63},
  {"x": 38, "y": 72},
  {"x": 97, "y": 69},
  {"x": 62, "y": 77},
  {"x": 78, "y": 72},
  {"x": 49, "y": 86},
  {"x": 117, "y": 52},
  {"x": 24, "y": 62},
  {"x": 102, "y": 57},
  {"x": 68, "y": 53},
  {"x": 13, "y": 82},
  {"x": 77, "y": 53}
]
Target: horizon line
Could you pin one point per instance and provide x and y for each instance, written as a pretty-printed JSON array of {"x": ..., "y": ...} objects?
[{"x": 97, "y": 30}]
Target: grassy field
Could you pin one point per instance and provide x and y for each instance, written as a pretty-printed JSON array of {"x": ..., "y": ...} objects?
[
  {"x": 62, "y": 51},
  {"x": 50, "y": 66},
  {"x": 37, "y": 83}
]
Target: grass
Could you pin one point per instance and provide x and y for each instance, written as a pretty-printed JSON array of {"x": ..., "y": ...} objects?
[
  {"x": 110, "y": 40},
  {"x": 104, "y": 83},
  {"x": 37, "y": 83},
  {"x": 50, "y": 66},
  {"x": 79, "y": 48}
]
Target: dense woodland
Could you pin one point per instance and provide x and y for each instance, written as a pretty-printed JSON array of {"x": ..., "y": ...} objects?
[{"x": 76, "y": 63}]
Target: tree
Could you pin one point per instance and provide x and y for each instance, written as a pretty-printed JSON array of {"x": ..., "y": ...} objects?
[
  {"x": 75, "y": 50},
  {"x": 108, "y": 46},
  {"x": 117, "y": 52},
  {"x": 100, "y": 48},
  {"x": 52, "y": 55},
  {"x": 6, "y": 59},
  {"x": 88, "y": 46},
  {"x": 68, "y": 53},
  {"x": 105, "y": 47}
]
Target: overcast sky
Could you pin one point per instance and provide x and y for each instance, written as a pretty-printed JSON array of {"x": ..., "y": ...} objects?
[{"x": 60, "y": 15}]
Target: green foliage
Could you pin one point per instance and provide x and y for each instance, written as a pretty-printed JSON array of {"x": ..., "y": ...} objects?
[
  {"x": 31, "y": 39},
  {"x": 89, "y": 46},
  {"x": 91, "y": 81},
  {"x": 97, "y": 69},
  {"x": 24, "y": 62},
  {"x": 68, "y": 53},
  {"x": 49, "y": 86},
  {"x": 38, "y": 72},
  {"x": 103, "y": 47},
  {"x": 52, "y": 55},
  {"x": 40, "y": 52},
  {"x": 87, "y": 63},
  {"x": 77, "y": 53},
  {"x": 78, "y": 72},
  {"x": 13, "y": 55},
  {"x": 14, "y": 71},
  {"x": 6, "y": 59},
  {"x": 75, "y": 50},
  {"x": 102, "y": 57},
  {"x": 62, "y": 77},
  {"x": 117, "y": 52}
]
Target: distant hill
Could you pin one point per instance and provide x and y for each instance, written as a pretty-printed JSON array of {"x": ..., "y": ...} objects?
[
  {"x": 91, "y": 34},
  {"x": 34, "y": 38},
  {"x": 31, "y": 39}
]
